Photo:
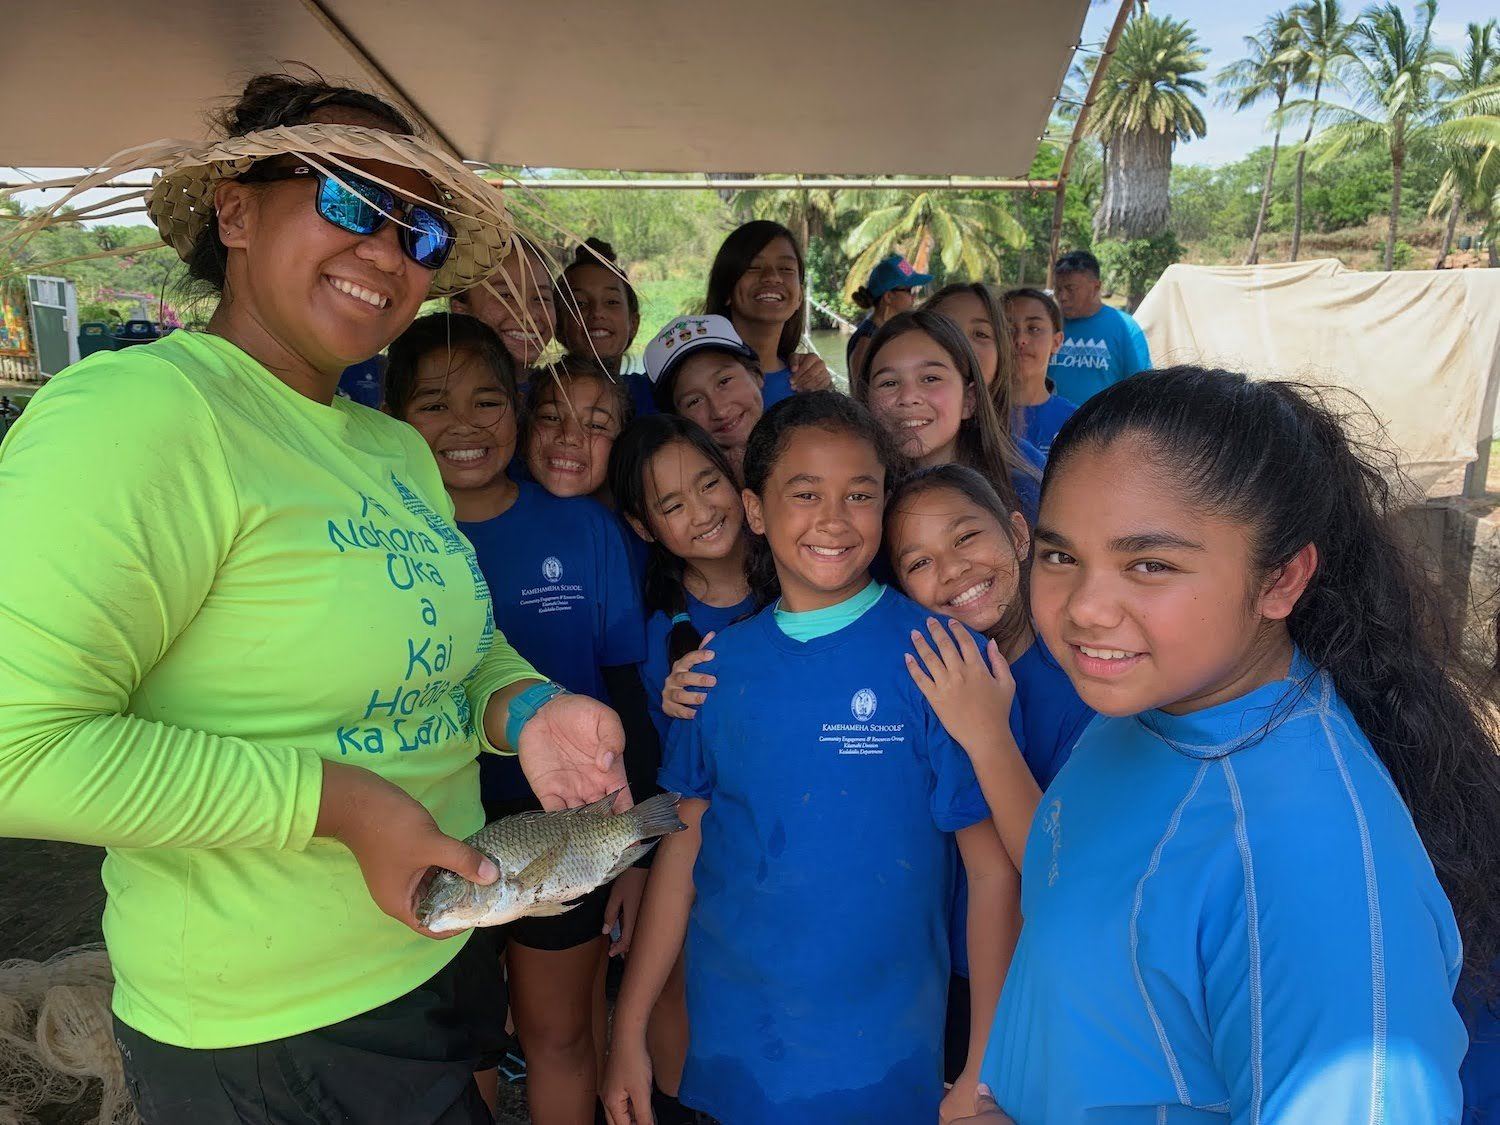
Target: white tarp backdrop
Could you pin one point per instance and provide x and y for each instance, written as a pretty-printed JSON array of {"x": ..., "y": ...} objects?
[
  {"x": 875, "y": 87},
  {"x": 1422, "y": 347}
]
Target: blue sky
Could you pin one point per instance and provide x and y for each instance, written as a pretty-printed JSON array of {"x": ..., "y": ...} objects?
[{"x": 1221, "y": 28}]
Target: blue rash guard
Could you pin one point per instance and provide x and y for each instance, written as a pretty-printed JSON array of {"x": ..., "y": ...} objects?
[
  {"x": 1229, "y": 911},
  {"x": 564, "y": 595},
  {"x": 817, "y": 947},
  {"x": 1046, "y": 718},
  {"x": 657, "y": 665},
  {"x": 1028, "y": 487}
]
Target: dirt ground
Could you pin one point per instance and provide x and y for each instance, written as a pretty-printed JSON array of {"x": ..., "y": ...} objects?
[{"x": 51, "y": 899}]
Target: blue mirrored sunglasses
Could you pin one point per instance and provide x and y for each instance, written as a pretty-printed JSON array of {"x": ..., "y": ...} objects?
[{"x": 359, "y": 206}]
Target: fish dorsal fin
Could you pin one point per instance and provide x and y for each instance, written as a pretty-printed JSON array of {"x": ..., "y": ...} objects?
[
  {"x": 601, "y": 807},
  {"x": 542, "y": 866}
]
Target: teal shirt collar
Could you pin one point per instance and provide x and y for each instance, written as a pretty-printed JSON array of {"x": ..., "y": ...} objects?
[{"x": 815, "y": 623}]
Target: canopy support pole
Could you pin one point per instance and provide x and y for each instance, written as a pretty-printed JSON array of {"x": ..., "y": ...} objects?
[{"x": 1079, "y": 125}]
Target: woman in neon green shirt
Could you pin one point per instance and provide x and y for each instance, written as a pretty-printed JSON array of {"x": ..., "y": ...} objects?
[{"x": 252, "y": 656}]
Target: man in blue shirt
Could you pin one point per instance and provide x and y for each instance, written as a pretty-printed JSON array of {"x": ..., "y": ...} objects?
[{"x": 1101, "y": 345}]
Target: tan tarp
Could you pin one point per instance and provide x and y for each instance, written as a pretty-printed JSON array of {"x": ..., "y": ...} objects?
[
  {"x": 876, "y": 87},
  {"x": 1421, "y": 347}
]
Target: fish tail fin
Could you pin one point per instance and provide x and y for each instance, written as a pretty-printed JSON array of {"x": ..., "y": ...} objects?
[
  {"x": 629, "y": 856},
  {"x": 657, "y": 816}
]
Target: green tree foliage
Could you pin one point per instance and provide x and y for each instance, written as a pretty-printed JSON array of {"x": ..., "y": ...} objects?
[
  {"x": 1391, "y": 76},
  {"x": 1320, "y": 43}
]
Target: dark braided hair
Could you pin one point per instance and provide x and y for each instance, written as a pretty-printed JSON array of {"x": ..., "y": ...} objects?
[
  {"x": 829, "y": 411},
  {"x": 1278, "y": 458},
  {"x": 629, "y": 462},
  {"x": 269, "y": 101}
]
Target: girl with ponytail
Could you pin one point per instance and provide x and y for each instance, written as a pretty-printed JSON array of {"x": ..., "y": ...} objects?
[{"x": 1245, "y": 891}]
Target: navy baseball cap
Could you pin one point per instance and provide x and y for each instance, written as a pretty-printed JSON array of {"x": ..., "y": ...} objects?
[{"x": 895, "y": 272}]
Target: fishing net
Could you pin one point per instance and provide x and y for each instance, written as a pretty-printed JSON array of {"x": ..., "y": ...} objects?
[{"x": 56, "y": 1038}]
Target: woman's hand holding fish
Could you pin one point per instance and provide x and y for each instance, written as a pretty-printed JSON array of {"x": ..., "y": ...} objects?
[
  {"x": 572, "y": 753},
  {"x": 624, "y": 906},
  {"x": 680, "y": 697},
  {"x": 971, "y": 695},
  {"x": 394, "y": 839}
]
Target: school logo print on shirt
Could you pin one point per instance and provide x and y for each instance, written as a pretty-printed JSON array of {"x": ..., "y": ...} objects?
[
  {"x": 554, "y": 595},
  {"x": 862, "y": 738},
  {"x": 1090, "y": 354}
]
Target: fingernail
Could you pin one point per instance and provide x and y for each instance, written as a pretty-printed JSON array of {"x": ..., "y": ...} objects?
[
  {"x": 488, "y": 872},
  {"x": 985, "y": 1090}
]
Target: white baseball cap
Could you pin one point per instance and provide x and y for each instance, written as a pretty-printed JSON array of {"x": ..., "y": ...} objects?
[{"x": 682, "y": 337}]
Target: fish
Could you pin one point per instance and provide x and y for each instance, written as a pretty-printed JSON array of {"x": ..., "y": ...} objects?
[{"x": 547, "y": 861}]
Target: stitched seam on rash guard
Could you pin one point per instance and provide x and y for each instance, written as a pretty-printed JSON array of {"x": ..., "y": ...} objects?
[
  {"x": 1252, "y": 942},
  {"x": 1135, "y": 914},
  {"x": 1377, "y": 936}
]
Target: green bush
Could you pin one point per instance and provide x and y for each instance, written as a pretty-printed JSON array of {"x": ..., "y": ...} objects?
[{"x": 1132, "y": 266}]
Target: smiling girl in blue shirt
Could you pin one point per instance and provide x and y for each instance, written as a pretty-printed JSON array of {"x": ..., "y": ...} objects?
[
  {"x": 1228, "y": 903},
  {"x": 676, "y": 490},
  {"x": 561, "y": 587},
  {"x": 812, "y": 883}
]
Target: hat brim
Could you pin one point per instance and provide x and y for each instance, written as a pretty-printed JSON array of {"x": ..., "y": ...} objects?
[
  {"x": 661, "y": 387},
  {"x": 180, "y": 201}
]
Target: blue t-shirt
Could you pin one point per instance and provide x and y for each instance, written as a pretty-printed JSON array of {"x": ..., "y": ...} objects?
[
  {"x": 777, "y": 386},
  {"x": 1481, "y": 1069},
  {"x": 1046, "y": 718},
  {"x": 657, "y": 667},
  {"x": 817, "y": 947},
  {"x": 1221, "y": 919},
  {"x": 642, "y": 399},
  {"x": 1098, "y": 351},
  {"x": 364, "y": 382},
  {"x": 1029, "y": 488},
  {"x": 1040, "y": 423},
  {"x": 564, "y": 598}
]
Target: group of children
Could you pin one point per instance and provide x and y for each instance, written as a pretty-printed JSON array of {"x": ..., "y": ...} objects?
[{"x": 862, "y": 644}]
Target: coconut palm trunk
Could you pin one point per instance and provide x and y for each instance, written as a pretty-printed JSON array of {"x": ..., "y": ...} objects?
[
  {"x": 1265, "y": 197},
  {"x": 1450, "y": 230},
  {"x": 1302, "y": 170},
  {"x": 1398, "y": 172}
]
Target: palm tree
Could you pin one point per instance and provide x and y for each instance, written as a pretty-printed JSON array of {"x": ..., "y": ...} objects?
[
  {"x": 1472, "y": 175},
  {"x": 1271, "y": 68},
  {"x": 1392, "y": 77},
  {"x": 962, "y": 230},
  {"x": 807, "y": 213},
  {"x": 1322, "y": 40},
  {"x": 1144, "y": 107}
]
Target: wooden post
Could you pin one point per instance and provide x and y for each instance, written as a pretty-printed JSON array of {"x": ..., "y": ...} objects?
[{"x": 1078, "y": 129}]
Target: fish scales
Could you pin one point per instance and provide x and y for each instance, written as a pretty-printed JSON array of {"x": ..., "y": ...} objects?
[{"x": 547, "y": 862}]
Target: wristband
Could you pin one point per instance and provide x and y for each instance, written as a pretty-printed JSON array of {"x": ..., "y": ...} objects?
[{"x": 523, "y": 708}]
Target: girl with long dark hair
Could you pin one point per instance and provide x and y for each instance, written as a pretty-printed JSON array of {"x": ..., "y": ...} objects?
[{"x": 1245, "y": 891}]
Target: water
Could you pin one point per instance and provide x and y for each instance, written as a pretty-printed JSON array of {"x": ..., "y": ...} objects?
[{"x": 829, "y": 343}]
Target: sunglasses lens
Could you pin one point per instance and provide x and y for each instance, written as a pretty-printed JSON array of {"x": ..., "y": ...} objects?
[
  {"x": 347, "y": 206},
  {"x": 429, "y": 238}
]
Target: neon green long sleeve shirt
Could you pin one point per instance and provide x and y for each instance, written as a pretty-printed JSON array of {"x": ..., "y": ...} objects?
[{"x": 214, "y": 583}]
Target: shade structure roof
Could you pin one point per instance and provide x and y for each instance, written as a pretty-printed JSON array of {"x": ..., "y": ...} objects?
[{"x": 962, "y": 87}]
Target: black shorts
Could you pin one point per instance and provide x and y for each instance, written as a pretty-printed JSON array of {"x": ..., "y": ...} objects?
[
  {"x": 956, "y": 1033},
  {"x": 409, "y": 1060},
  {"x": 579, "y": 926}
]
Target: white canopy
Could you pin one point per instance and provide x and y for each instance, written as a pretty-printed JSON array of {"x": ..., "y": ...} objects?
[{"x": 878, "y": 87}]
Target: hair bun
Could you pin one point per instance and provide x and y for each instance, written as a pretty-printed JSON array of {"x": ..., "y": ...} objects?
[{"x": 592, "y": 250}]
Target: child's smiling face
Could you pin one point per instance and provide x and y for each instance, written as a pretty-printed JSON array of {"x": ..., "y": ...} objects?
[
  {"x": 468, "y": 418},
  {"x": 955, "y": 557},
  {"x": 694, "y": 507},
  {"x": 570, "y": 434},
  {"x": 821, "y": 516},
  {"x": 1146, "y": 600}
]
